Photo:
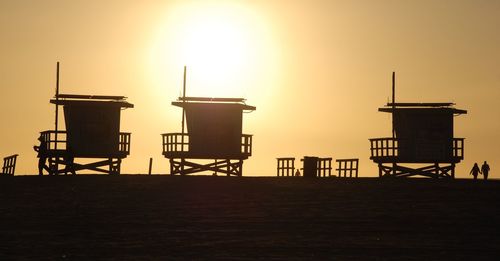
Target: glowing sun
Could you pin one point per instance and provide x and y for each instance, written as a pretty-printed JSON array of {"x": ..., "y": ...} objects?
[{"x": 224, "y": 45}]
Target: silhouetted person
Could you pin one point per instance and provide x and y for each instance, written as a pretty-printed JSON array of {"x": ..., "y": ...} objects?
[
  {"x": 475, "y": 171},
  {"x": 297, "y": 173},
  {"x": 42, "y": 155},
  {"x": 485, "y": 169},
  {"x": 69, "y": 159}
]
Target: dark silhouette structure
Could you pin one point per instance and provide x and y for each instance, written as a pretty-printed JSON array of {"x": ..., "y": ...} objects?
[
  {"x": 92, "y": 132},
  {"x": 423, "y": 135},
  {"x": 347, "y": 168},
  {"x": 485, "y": 169},
  {"x": 312, "y": 167},
  {"x": 317, "y": 167},
  {"x": 422, "y": 141},
  {"x": 9, "y": 165},
  {"x": 214, "y": 134},
  {"x": 286, "y": 167}
]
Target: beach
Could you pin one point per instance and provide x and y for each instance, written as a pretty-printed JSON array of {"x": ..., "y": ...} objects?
[{"x": 141, "y": 217}]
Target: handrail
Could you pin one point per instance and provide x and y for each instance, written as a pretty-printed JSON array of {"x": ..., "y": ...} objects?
[
  {"x": 383, "y": 147},
  {"x": 246, "y": 144},
  {"x": 9, "y": 165},
  {"x": 179, "y": 143},
  {"x": 124, "y": 142},
  {"x": 49, "y": 136},
  {"x": 389, "y": 147},
  {"x": 347, "y": 166},
  {"x": 175, "y": 142}
]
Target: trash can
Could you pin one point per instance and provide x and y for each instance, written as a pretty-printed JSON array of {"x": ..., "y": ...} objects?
[{"x": 310, "y": 167}]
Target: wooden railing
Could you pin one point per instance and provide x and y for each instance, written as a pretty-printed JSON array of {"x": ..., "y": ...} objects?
[
  {"x": 383, "y": 147},
  {"x": 50, "y": 138},
  {"x": 9, "y": 165},
  {"x": 124, "y": 142},
  {"x": 286, "y": 167},
  {"x": 246, "y": 144},
  {"x": 388, "y": 147},
  {"x": 61, "y": 141},
  {"x": 179, "y": 142},
  {"x": 175, "y": 142},
  {"x": 347, "y": 167},
  {"x": 324, "y": 167},
  {"x": 458, "y": 148}
]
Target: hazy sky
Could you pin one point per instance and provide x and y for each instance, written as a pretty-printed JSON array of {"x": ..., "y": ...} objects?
[{"x": 317, "y": 71}]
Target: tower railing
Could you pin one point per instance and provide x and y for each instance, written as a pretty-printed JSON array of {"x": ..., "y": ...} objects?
[
  {"x": 124, "y": 142},
  {"x": 246, "y": 144},
  {"x": 179, "y": 143},
  {"x": 458, "y": 148},
  {"x": 388, "y": 148},
  {"x": 175, "y": 142},
  {"x": 383, "y": 147},
  {"x": 50, "y": 138},
  {"x": 61, "y": 141}
]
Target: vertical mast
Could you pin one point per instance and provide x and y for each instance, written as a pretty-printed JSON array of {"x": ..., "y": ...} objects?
[
  {"x": 393, "y": 103},
  {"x": 394, "y": 165},
  {"x": 183, "y": 101},
  {"x": 57, "y": 107}
]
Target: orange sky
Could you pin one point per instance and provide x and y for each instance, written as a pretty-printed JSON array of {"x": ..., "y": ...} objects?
[{"x": 316, "y": 70}]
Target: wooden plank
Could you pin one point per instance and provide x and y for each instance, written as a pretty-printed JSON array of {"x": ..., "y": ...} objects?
[
  {"x": 420, "y": 104},
  {"x": 185, "y": 167},
  {"x": 90, "y": 97},
  {"x": 123, "y": 104},
  {"x": 211, "y": 99},
  {"x": 450, "y": 109},
  {"x": 431, "y": 171}
]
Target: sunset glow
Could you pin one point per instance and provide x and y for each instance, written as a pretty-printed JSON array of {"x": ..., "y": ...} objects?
[
  {"x": 317, "y": 71},
  {"x": 225, "y": 47},
  {"x": 250, "y": 129}
]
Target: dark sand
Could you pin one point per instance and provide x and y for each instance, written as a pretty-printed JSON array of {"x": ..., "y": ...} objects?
[{"x": 163, "y": 217}]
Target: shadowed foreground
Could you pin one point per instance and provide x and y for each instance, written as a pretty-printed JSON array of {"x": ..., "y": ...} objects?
[{"x": 160, "y": 217}]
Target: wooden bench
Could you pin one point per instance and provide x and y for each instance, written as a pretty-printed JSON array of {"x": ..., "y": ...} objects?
[
  {"x": 324, "y": 167},
  {"x": 347, "y": 166},
  {"x": 9, "y": 165},
  {"x": 286, "y": 167}
]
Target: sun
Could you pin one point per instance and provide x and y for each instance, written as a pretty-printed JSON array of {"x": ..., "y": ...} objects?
[
  {"x": 215, "y": 47},
  {"x": 225, "y": 46}
]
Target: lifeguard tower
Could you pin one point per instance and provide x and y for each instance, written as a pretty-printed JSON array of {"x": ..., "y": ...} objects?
[
  {"x": 214, "y": 140},
  {"x": 422, "y": 143},
  {"x": 92, "y": 133}
]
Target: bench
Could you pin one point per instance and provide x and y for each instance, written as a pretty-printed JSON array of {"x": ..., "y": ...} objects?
[{"x": 9, "y": 165}]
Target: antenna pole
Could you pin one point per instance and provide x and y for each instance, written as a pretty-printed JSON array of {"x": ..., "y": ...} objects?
[
  {"x": 393, "y": 102},
  {"x": 183, "y": 100},
  {"x": 183, "y": 109},
  {"x": 394, "y": 165},
  {"x": 57, "y": 106}
]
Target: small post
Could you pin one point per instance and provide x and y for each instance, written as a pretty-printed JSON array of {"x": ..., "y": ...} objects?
[{"x": 150, "y": 166}]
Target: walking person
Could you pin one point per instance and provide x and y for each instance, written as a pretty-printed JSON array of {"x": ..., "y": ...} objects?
[
  {"x": 42, "y": 155},
  {"x": 475, "y": 171},
  {"x": 485, "y": 169},
  {"x": 69, "y": 160}
]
